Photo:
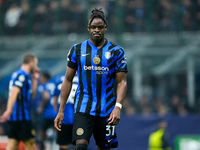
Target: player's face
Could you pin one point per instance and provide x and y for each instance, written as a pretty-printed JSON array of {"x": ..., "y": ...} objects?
[
  {"x": 34, "y": 65},
  {"x": 97, "y": 29}
]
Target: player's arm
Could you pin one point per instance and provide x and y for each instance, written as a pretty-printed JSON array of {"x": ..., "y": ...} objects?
[
  {"x": 56, "y": 93},
  {"x": 121, "y": 87},
  {"x": 11, "y": 101},
  {"x": 55, "y": 103},
  {"x": 36, "y": 75},
  {"x": 121, "y": 93},
  {"x": 45, "y": 99},
  {"x": 66, "y": 87},
  {"x": 65, "y": 91}
]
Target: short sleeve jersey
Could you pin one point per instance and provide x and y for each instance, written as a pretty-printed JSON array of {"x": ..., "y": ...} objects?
[
  {"x": 97, "y": 70},
  {"x": 22, "y": 106}
]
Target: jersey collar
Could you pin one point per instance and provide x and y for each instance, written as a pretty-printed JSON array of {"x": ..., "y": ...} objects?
[{"x": 95, "y": 46}]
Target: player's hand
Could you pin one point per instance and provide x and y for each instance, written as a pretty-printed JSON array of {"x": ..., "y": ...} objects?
[
  {"x": 5, "y": 116},
  {"x": 114, "y": 116},
  {"x": 39, "y": 110},
  {"x": 58, "y": 121},
  {"x": 36, "y": 73}
]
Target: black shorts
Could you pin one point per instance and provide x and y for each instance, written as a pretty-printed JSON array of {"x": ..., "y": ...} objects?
[
  {"x": 47, "y": 123},
  {"x": 85, "y": 125},
  {"x": 21, "y": 130},
  {"x": 64, "y": 137}
]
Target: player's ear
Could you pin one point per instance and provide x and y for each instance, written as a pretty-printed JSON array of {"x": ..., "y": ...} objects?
[
  {"x": 88, "y": 27},
  {"x": 106, "y": 27}
]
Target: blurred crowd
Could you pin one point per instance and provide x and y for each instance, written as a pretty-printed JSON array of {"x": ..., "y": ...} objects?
[
  {"x": 172, "y": 105},
  {"x": 41, "y": 17},
  {"x": 162, "y": 96},
  {"x": 162, "y": 15},
  {"x": 50, "y": 17}
]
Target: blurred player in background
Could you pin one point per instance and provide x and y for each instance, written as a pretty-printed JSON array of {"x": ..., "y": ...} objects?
[
  {"x": 97, "y": 111},
  {"x": 45, "y": 108},
  {"x": 21, "y": 90},
  {"x": 64, "y": 137},
  {"x": 159, "y": 139}
]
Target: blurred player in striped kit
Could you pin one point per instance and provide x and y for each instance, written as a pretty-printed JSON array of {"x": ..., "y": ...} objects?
[
  {"x": 64, "y": 137},
  {"x": 45, "y": 89},
  {"x": 97, "y": 111},
  {"x": 21, "y": 90}
]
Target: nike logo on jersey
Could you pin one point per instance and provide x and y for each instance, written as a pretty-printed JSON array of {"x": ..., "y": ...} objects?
[
  {"x": 110, "y": 140},
  {"x": 85, "y": 54}
]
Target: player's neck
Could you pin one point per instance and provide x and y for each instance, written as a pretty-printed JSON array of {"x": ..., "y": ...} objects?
[
  {"x": 98, "y": 43},
  {"x": 26, "y": 68}
]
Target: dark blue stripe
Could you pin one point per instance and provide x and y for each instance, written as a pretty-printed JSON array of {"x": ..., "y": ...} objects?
[
  {"x": 88, "y": 78},
  {"x": 78, "y": 54},
  {"x": 99, "y": 84}
]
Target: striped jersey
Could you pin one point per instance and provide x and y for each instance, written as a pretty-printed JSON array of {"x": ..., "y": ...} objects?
[
  {"x": 48, "y": 112},
  {"x": 22, "y": 106},
  {"x": 69, "y": 107},
  {"x": 97, "y": 70}
]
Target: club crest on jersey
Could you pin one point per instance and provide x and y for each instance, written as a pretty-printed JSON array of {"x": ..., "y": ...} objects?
[
  {"x": 107, "y": 55},
  {"x": 79, "y": 131},
  {"x": 96, "y": 59}
]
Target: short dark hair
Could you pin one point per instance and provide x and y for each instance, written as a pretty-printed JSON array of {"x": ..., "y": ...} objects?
[
  {"x": 46, "y": 75},
  {"x": 28, "y": 57},
  {"x": 97, "y": 13}
]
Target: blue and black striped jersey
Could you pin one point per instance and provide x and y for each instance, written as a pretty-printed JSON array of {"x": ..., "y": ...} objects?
[
  {"x": 97, "y": 70},
  {"x": 49, "y": 112},
  {"x": 69, "y": 107},
  {"x": 22, "y": 106}
]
